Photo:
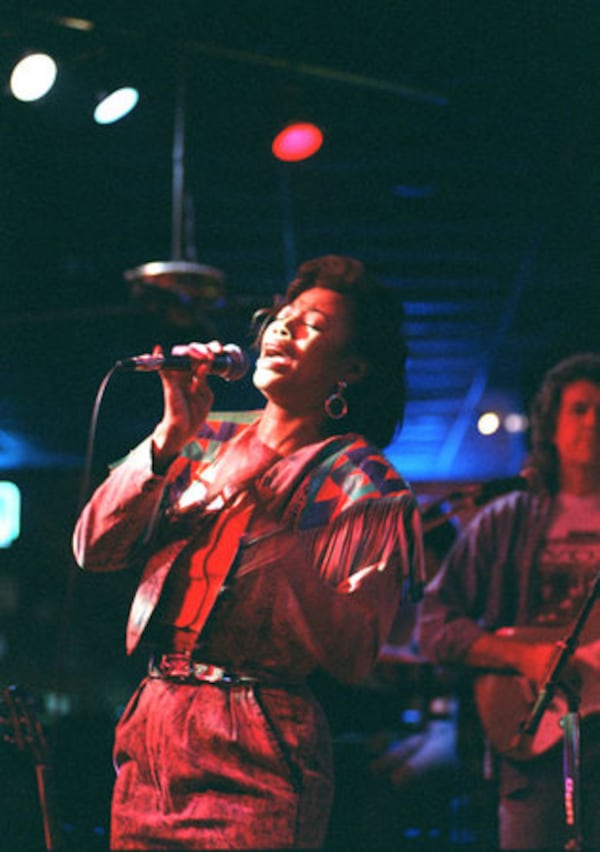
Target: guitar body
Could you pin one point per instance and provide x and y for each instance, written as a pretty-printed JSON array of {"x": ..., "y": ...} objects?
[
  {"x": 505, "y": 700},
  {"x": 504, "y": 703}
]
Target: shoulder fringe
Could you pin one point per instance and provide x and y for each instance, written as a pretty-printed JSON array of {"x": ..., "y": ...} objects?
[{"x": 384, "y": 533}]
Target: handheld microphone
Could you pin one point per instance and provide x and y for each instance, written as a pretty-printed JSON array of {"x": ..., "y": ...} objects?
[{"x": 231, "y": 365}]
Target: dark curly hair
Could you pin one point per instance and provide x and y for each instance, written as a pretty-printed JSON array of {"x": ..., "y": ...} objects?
[
  {"x": 545, "y": 407},
  {"x": 376, "y": 403}
]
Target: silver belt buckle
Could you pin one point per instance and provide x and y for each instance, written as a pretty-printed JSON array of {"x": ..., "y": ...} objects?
[{"x": 207, "y": 672}]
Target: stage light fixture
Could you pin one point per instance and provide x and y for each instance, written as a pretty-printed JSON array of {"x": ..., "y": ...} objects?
[
  {"x": 116, "y": 105},
  {"x": 297, "y": 141},
  {"x": 516, "y": 422},
  {"x": 488, "y": 423},
  {"x": 180, "y": 288},
  {"x": 10, "y": 513},
  {"x": 33, "y": 76}
]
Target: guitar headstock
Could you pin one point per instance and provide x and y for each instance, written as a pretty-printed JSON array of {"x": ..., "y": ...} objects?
[{"x": 20, "y": 724}]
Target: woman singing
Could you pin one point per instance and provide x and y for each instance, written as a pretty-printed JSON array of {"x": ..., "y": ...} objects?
[{"x": 270, "y": 545}]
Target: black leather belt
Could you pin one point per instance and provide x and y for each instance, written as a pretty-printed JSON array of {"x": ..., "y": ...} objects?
[{"x": 181, "y": 668}]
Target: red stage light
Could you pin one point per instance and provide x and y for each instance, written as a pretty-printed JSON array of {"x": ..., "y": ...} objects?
[{"x": 297, "y": 142}]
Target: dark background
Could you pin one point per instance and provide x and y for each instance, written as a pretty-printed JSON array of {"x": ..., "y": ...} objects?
[{"x": 459, "y": 162}]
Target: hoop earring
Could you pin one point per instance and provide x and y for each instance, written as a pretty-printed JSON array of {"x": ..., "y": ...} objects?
[{"x": 336, "y": 405}]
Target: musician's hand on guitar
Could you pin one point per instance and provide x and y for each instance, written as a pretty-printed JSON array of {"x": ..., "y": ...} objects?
[
  {"x": 539, "y": 669},
  {"x": 536, "y": 660},
  {"x": 516, "y": 664},
  {"x": 506, "y": 651}
]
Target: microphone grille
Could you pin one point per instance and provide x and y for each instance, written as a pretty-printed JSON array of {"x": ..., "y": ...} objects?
[{"x": 237, "y": 364}]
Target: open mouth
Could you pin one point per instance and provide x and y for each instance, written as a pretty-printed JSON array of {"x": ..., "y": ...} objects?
[{"x": 274, "y": 351}]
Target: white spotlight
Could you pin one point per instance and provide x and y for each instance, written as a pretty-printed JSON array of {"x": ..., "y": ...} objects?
[
  {"x": 515, "y": 422},
  {"x": 33, "y": 77},
  {"x": 116, "y": 105},
  {"x": 488, "y": 423}
]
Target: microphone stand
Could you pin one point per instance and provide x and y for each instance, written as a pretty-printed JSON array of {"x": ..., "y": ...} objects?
[{"x": 570, "y": 722}]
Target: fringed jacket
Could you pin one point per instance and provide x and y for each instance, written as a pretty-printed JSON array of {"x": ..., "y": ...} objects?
[{"x": 302, "y": 565}]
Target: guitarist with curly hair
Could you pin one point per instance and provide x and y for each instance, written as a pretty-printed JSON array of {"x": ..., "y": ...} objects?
[{"x": 508, "y": 593}]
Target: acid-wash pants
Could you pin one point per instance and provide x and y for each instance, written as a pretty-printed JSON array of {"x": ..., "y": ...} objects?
[{"x": 221, "y": 766}]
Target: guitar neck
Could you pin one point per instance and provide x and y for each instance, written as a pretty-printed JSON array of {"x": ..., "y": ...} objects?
[{"x": 48, "y": 805}]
